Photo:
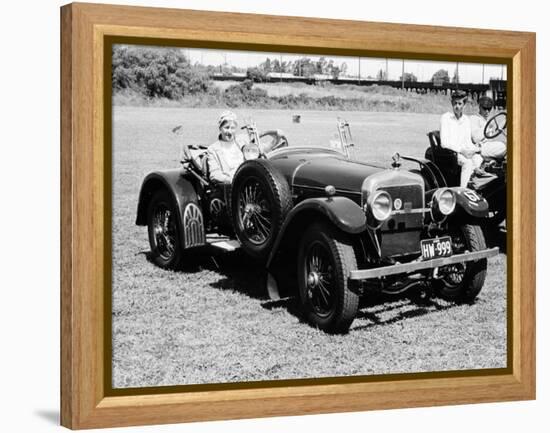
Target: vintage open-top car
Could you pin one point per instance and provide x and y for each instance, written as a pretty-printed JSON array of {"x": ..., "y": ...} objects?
[{"x": 318, "y": 219}]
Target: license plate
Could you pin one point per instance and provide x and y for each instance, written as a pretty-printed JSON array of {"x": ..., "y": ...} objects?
[{"x": 434, "y": 248}]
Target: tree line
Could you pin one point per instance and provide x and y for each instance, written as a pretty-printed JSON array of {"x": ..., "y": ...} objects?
[
  {"x": 302, "y": 67},
  {"x": 168, "y": 73},
  {"x": 153, "y": 73}
]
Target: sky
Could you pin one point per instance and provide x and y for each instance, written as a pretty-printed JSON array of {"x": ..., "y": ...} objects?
[{"x": 423, "y": 70}]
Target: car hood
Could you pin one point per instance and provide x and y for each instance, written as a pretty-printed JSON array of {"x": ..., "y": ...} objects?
[
  {"x": 343, "y": 174},
  {"x": 319, "y": 168}
]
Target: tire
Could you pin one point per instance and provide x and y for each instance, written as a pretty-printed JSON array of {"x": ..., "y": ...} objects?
[
  {"x": 463, "y": 282},
  {"x": 260, "y": 201},
  {"x": 325, "y": 258},
  {"x": 163, "y": 230}
]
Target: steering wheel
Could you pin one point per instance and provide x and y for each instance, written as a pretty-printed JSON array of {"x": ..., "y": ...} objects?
[
  {"x": 275, "y": 140},
  {"x": 493, "y": 127}
]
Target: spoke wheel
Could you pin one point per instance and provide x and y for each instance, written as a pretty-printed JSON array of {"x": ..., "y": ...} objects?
[
  {"x": 320, "y": 279},
  {"x": 260, "y": 201},
  {"x": 325, "y": 258},
  {"x": 462, "y": 282},
  {"x": 163, "y": 231},
  {"x": 454, "y": 274},
  {"x": 254, "y": 212}
]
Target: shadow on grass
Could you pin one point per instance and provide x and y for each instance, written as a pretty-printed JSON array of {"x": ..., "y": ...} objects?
[
  {"x": 373, "y": 310},
  {"x": 191, "y": 263},
  {"x": 244, "y": 276},
  {"x": 239, "y": 273},
  {"x": 291, "y": 305}
]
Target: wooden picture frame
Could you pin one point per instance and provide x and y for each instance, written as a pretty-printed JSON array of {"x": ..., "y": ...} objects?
[{"x": 86, "y": 398}]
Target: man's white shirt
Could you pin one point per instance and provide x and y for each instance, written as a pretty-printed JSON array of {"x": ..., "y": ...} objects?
[{"x": 456, "y": 134}]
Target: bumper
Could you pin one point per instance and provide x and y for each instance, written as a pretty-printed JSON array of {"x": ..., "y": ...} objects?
[{"x": 407, "y": 268}]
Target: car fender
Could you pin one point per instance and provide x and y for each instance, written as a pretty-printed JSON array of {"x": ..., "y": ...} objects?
[
  {"x": 189, "y": 213},
  {"x": 343, "y": 212},
  {"x": 471, "y": 202}
]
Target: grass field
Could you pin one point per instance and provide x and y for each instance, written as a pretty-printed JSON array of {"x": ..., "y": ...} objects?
[{"x": 212, "y": 322}]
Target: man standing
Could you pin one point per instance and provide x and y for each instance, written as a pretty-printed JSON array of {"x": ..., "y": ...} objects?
[
  {"x": 490, "y": 149},
  {"x": 456, "y": 135}
]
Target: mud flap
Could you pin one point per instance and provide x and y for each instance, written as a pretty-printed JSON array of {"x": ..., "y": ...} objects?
[{"x": 272, "y": 287}]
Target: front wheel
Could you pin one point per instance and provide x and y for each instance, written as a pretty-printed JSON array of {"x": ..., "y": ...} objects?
[
  {"x": 325, "y": 258},
  {"x": 162, "y": 226},
  {"x": 462, "y": 282}
]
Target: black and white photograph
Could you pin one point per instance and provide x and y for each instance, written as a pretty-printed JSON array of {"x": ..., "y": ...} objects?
[
  {"x": 292, "y": 216},
  {"x": 282, "y": 216}
]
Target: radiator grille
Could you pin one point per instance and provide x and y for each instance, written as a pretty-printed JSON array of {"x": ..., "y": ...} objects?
[
  {"x": 412, "y": 196},
  {"x": 401, "y": 232}
]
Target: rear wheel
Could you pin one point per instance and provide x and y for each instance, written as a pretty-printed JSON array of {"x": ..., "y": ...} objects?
[
  {"x": 325, "y": 258},
  {"x": 462, "y": 282},
  {"x": 162, "y": 226}
]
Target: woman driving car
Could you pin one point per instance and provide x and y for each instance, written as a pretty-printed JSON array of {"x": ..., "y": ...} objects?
[{"x": 226, "y": 154}]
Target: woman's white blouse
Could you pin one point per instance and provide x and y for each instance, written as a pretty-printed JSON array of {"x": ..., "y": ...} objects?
[{"x": 223, "y": 159}]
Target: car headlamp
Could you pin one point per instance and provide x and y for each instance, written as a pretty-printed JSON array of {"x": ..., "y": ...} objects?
[
  {"x": 443, "y": 203},
  {"x": 379, "y": 207}
]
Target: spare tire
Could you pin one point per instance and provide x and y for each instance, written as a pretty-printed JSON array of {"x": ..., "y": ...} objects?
[{"x": 260, "y": 201}]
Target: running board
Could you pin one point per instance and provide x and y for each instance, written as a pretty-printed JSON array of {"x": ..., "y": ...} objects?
[
  {"x": 226, "y": 245},
  {"x": 407, "y": 268}
]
